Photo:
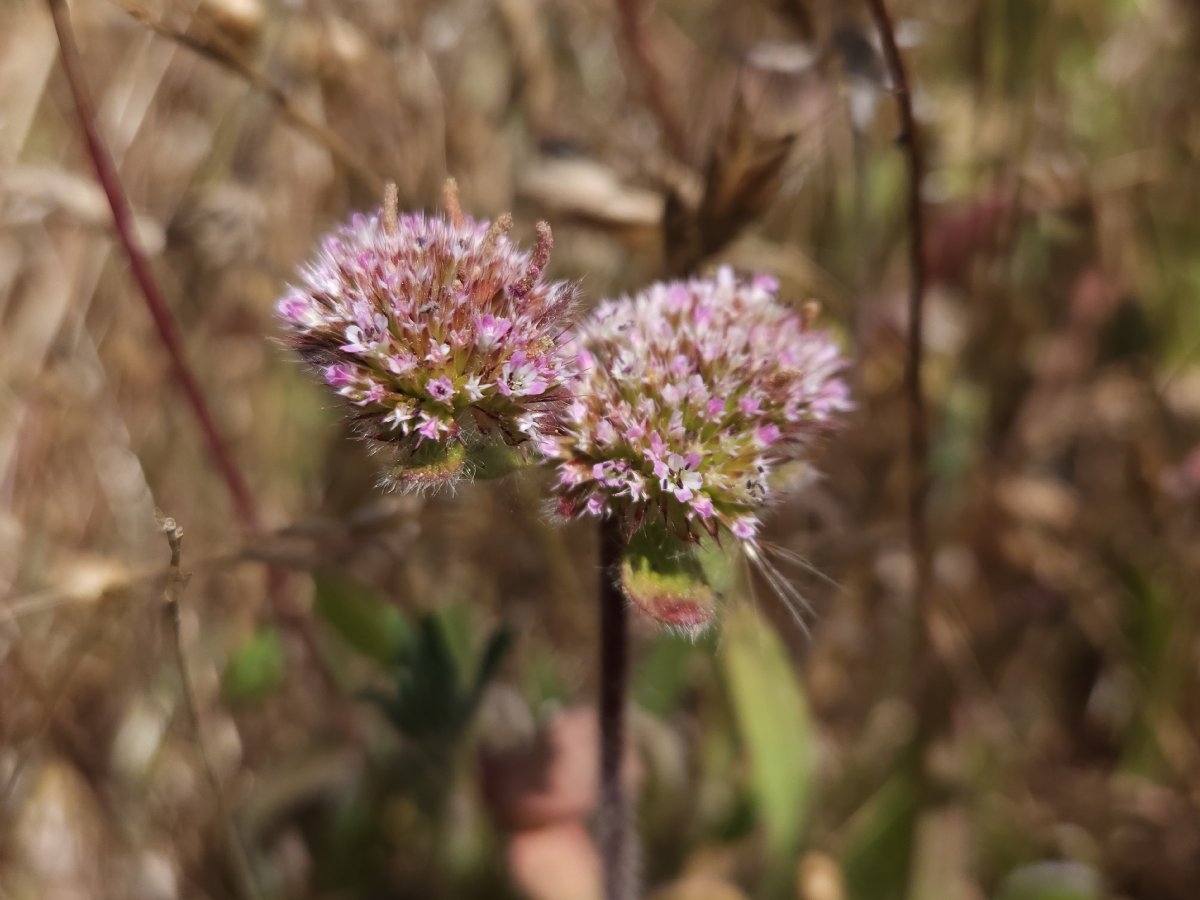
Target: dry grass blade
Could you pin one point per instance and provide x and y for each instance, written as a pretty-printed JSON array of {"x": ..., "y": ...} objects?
[
  {"x": 591, "y": 192},
  {"x": 743, "y": 176},
  {"x": 33, "y": 193},
  {"x": 172, "y": 595},
  {"x": 212, "y": 45}
]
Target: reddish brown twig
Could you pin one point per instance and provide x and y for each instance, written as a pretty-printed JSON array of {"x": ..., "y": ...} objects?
[
  {"x": 168, "y": 332},
  {"x": 139, "y": 264},
  {"x": 652, "y": 82}
]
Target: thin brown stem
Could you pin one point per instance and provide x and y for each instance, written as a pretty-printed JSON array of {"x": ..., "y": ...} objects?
[
  {"x": 918, "y": 440},
  {"x": 652, "y": 83},
  {"x": 927, "y": 689},
  {"x": 615, "y": 827},
  {"x": 172, "y": 594}
]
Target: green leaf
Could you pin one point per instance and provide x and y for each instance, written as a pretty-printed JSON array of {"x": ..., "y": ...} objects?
[
  {"x": 434, "y": 693},
  {"x": 880, "y": 840},
  {"x": 493, "y": 655},
  {"x": 1053, "y": 881},
  {"x": 664, "y": 673},
  {"x": 773, "y": 721},
  {"x": 361, "y": 616},
  {"x": 1152, "y": 619},
  {"x": 255, "y": 669}
]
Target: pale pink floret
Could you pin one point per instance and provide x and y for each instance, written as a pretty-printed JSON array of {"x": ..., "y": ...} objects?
[
  {"x": 689, "y": 396},
  {"x": 440, "y": 389}
]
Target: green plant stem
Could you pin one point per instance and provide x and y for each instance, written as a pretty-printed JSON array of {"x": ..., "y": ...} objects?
[{"x": 615, "y": 833}]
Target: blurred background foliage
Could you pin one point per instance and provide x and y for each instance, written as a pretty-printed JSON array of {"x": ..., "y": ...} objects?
[{"x": 403, "y": 708}]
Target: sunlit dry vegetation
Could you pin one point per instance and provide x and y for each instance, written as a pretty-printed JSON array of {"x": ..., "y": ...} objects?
[{"x": 391, "y": 694}]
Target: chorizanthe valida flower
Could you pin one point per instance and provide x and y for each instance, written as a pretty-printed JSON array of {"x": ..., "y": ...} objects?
[
  {"x": 441, "y": 333},
  {"x": 690, "y": 396}
]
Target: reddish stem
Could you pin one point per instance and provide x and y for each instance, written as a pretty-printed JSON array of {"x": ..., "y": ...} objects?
[
  {"x": 615, "y": 820},
  {"x": 244, "y": 506},
  {"x": 139, "y": 264}
]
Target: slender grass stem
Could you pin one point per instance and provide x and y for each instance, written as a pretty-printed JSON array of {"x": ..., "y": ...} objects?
[
  {"x": 139, "y": 264},
  {"x": 243, "y": 870},
  {"x": 928, "y": 687},
  {"x": 918, "y": 437}
]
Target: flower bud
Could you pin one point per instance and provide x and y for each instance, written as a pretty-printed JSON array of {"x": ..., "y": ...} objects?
[{"x": 663, "y": 577}]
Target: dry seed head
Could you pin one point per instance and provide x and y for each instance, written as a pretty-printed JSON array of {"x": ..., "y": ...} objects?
[
  {"x": 809, "y": 313},
  {"x": 499, "y": 228}
]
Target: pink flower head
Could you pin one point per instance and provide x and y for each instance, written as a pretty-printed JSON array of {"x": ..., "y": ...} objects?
[
  {"x": 437, "y": 328},
  {"x": 688, "y": 397}
]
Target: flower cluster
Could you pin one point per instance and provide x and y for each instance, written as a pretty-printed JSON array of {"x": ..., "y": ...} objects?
[
  {"x": 689, "y": 396},
  {"x": 438, "y": 329}
]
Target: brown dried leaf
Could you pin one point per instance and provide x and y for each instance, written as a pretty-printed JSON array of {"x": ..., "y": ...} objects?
[
  {"x": 780, "y": 95},
  {"x": 1038, "y": 502},
  {"x": 30, "y": 193},
  {"x": 241, "y": 21},
  {"x": 819, "y": 877}
]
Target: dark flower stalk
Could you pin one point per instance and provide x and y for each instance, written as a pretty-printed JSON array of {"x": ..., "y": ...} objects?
[{"x": 617, "y": 850}]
